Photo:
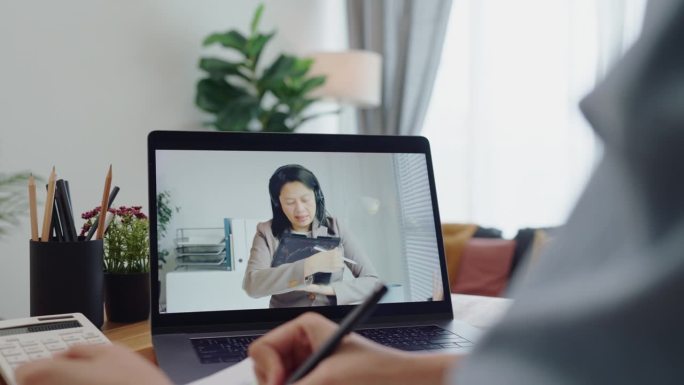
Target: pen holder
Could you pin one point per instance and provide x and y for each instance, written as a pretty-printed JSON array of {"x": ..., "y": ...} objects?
[{"x": 67, "y": 277}]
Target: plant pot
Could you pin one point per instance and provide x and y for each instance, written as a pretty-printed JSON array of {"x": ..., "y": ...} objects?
[{"x": 127, "y": 296}]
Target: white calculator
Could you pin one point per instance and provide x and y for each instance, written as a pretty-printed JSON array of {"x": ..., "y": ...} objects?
[{"x": 27, "y": 339}]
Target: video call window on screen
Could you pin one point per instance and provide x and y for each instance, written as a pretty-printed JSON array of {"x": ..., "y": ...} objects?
[{"x": 255, "y": 230}]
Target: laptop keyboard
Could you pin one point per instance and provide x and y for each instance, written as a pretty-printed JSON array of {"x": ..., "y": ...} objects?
[
  {"x": 222, "y": 349},
  {"x": 411, "y": 338},
  {"x": 415, "y": 338}
]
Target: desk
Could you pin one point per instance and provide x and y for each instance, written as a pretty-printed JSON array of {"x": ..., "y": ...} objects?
[{"x": 481, "y": 312}]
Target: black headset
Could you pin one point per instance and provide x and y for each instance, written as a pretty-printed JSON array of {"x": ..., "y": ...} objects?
[{"x": 318, "y": 192}]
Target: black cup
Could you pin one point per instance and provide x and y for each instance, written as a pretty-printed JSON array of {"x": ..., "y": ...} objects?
[{"x": 67, "y": 277}]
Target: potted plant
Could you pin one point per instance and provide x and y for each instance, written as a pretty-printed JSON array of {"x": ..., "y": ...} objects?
[
  {"x": 165, "y": 212},
  {"x": 127, "y": 263},
  {"x": 12, "y": 200},
  {"x": 244, "y": 97}
]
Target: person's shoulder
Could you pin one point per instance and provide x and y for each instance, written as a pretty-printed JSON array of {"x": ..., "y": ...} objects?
[{"x": 265, "y": 228}]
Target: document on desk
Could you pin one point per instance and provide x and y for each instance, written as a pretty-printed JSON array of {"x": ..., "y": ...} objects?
[{"x": 238, "y": 374}]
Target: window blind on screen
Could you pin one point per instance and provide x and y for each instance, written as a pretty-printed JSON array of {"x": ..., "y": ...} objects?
[{"x": 419, "y": 238}]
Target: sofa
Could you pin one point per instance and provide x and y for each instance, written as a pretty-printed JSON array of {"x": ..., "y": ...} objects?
[{"x": 481, "y": 262}]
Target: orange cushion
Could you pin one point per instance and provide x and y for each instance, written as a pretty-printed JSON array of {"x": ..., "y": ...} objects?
[
  {"x": 485, "y": 264},
  {"x": 455, "y": 237}
]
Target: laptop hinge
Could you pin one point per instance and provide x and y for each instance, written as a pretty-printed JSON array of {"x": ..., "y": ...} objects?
[
  {"x": 214, "y": 328},
  {"x": 270, "y": 325}
]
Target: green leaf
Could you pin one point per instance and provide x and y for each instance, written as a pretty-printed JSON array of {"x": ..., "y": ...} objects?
[
  {"x": 255, "y": 45},
  {"x": 257, "y": 17},
  {"x": 13, "y": 199},
  {"x": 236, "y": 115},
  {"x": 300, "y": 67},
  {"x": 214, "y": 94},
  {"x": 219, "y": 69},
  {"x": 231, "y": 39},
  {"x": 276, "y": 72},
  {"x": 310, "y": 84},
  {"x": 277, "y": 122}
]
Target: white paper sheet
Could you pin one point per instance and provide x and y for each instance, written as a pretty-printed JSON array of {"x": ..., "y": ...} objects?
[{"x": 238, "y": 374}]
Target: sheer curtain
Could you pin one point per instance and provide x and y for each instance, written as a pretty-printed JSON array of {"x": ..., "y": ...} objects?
[
  {"x": 510, "y": 146},
  {"x": 409, "y": 35}
]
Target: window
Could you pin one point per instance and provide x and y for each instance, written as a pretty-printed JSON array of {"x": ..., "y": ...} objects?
[{"x": 510, "y": 146}]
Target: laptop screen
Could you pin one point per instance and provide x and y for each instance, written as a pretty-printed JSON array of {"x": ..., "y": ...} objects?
[{"x": 262, "y": 229}]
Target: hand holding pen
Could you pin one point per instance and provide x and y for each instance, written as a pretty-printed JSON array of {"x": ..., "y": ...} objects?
[{"x": 290, "y": 352}]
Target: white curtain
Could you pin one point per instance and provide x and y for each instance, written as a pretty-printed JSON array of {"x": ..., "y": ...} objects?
[{"x": 510, "y": 146}]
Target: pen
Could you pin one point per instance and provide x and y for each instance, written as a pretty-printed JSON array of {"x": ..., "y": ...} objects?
[
  {"x": 56, "y": 224},
  {"x": 103, "y": 206},
  {"x": 70, "y": 211},
  {"x": 49, "y": 203},
  {"x": 355, "y": 317},
  {"x": 66, "y": 219},
  {"x": 318, "y": 248},
  {"x": 92, "y": 229},
  {"x": 108, "y": 221},
  {"x": 33, "y": 210}
]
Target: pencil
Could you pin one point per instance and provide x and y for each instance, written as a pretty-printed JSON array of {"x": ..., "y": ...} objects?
[
  {"x": 96, "y": 221},
  {"x": 33, "y": 210},
  {"x": 103, "y": 206},
  {"x": 49, "y": 203}
]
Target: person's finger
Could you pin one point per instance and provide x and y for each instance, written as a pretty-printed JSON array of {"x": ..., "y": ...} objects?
[
  {"x": 273, "y": 353},
  {"x": 85, "y": 351},
  {"x": 321, "y": 375},
  {"x": 46, "y": 372},
  {"x": 280, "y": 351},
  {"x": 268, "y": 365}
]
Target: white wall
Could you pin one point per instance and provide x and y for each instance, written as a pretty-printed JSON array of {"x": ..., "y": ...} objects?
[{"x": 82, "y": 82}]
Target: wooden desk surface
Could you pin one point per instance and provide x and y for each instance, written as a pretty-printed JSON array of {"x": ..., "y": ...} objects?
[{"x": 135, "y": 336}]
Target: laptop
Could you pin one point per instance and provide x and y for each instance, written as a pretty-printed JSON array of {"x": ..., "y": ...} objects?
[{"x": 212, "y": 226}]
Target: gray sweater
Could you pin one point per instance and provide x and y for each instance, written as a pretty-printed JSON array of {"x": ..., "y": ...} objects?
[{"x": 605, "y": 304}]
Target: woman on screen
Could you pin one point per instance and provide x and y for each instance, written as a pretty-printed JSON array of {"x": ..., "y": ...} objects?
[{"x": 298, "y": 208}]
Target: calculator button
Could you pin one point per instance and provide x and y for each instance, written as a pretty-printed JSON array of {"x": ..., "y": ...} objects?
[
  {"x": 39, "y": 356},
  {"x": 11, "y": 352},
  {"x": 69, "y": 338},
  {"x": 71, "y": 332},
  {"x": 28, "y": 343},
  {"x": 7, "y": 345},
  {"x": 78, "y": 342},
  {"x": 56, "y": 347},
  {"x": 33, "y": 349},
  {"x": 91, "y": 335},
  {"x": 49, "y": 340},
  {"x": 17, "y": 359}
]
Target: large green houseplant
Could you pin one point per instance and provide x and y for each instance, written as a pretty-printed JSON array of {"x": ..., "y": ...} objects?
[{"x": 243, "y": 97}]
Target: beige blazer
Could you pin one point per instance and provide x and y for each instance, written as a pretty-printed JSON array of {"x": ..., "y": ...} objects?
[{"x": 284, "y": 283}]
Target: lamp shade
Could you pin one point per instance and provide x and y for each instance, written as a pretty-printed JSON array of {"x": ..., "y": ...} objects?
[{"x": 352, "y": 77}]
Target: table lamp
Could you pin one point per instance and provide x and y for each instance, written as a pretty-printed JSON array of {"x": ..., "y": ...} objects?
[{"x": 353, "y": 77}]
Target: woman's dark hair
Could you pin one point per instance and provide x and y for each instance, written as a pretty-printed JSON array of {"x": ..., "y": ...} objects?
[{"x": 293, "y": 173}]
